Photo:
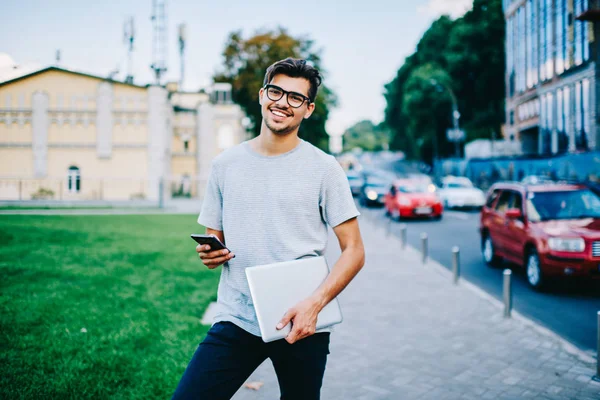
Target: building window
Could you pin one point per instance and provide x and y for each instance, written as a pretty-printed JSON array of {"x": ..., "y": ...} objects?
[
  {"x": 543, "y": 123},
  {"x": 580, "y": 33},
  {"x": 186, "y": 145},
  {"x": 523, "y": 47},
  {"x": 510, "y": 56},
  {"x": 534, "y": 54},
  {"x": 220, "y": 96},
  {"x": 563, "y": 138},
  {"x": 549, "y": 40},
  {"x": 560, "y": 122},
  {"x": 566, "y": 26},
  {"x": 543, "y": 43},
  {"x": 567, "y": 114},
  {"x": 529, "y": 43},
  {"x": 585, "y": 113},
  {"x": 582, "y": 114},
  {"x": 74, "y": 180},
  {"x": 560, "y": 36},
  {"x": 549, "y": 123}
]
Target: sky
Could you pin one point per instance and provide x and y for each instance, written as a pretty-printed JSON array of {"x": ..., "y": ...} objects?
[{"x": 363, "y": 44}]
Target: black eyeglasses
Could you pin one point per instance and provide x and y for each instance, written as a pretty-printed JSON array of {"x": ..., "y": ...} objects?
[{"x": 295, "y": 100}]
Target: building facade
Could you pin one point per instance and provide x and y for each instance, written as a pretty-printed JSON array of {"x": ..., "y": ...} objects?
[
  {"x": 552, "y": 87},
  {"x": 65, "y": 135}
]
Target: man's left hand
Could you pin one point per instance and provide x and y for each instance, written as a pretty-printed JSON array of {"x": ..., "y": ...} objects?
[{"x": 304, "y": 319}]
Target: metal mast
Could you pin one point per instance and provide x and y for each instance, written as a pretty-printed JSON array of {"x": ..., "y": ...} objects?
[
  {"x": 159, "y": 41},
  {"x": 128, "y": 38},
  {"x": 182, "y": 40}
]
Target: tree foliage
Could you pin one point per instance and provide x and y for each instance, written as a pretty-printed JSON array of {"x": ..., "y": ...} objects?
[
  {"x": 367, "y": 136},
  {"x": 466, "y": 55},
  {"x": 245, "y": 64}
]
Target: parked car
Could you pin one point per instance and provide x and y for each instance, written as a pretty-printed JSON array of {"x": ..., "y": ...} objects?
[
  {"x": 553, "y": 230},
  {"x": 460, "y": 192},
  {"x": 356, "y": 182},
  {"x": 406, "y": 198},
  {"x": 594, "y": 186},
  {"x": 377, "y": 174},
  {"x": 372, "y": 193}
]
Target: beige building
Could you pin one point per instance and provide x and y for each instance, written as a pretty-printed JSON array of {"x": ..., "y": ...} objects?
[{"x": 66, "y": 135}]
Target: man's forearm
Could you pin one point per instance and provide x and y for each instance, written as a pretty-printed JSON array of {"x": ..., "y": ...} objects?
[{"x": 345, "y": 269}]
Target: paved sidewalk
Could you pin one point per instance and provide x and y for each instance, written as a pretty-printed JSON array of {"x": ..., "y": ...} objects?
[{"x": 409, "y": 333}]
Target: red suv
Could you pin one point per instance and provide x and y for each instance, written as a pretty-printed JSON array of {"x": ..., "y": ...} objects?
[{"x": 550, "y": 229}]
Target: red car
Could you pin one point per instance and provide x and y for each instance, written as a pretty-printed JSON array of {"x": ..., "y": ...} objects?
[
  {"x": 412, "y": 199},
  {"x": 552, "y": 230}
]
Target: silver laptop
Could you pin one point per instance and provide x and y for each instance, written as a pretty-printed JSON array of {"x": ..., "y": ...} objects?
[{"x": 277, "y": 287}]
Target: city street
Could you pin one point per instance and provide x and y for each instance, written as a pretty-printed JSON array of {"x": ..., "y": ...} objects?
[{"x": 567, "y": 308}]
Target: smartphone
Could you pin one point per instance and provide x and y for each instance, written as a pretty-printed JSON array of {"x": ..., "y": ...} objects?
[{"x": 211, "y": 240}]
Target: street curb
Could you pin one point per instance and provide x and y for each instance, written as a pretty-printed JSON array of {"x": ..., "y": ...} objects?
[{"x": 580, "y": 354}]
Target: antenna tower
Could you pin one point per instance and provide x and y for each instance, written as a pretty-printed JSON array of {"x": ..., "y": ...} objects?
[
  {"x": 159, "y": 40},
  {"x": 182, "y": 40},
  {"x": 128, "y": 38}
]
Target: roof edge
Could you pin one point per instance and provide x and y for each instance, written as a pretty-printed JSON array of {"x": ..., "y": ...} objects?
[{"x": 54, "y": 68}]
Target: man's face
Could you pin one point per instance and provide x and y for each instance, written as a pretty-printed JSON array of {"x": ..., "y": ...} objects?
[{"x": 278, "y": 115}]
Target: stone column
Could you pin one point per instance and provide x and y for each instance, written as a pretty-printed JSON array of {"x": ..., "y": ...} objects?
[
  {"x": 206, "y": 144},
  {"x": 39, "y": 124},
  {"x": 158, "y": 135},
  {"x": 104, "y": 120}
]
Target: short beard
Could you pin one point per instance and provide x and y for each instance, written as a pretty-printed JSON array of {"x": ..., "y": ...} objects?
[{"x": 280, "y": 131}]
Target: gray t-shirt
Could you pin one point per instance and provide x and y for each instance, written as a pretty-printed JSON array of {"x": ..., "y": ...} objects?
[{"x": 270, "y": 209}]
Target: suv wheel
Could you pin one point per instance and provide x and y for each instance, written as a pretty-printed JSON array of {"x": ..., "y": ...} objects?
[
  {"x": 534, "y": 270},
  {"x": 489, "y": 252}
]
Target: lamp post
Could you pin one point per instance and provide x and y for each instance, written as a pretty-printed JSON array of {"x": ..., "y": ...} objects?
[{"x": 455, "y": 113}]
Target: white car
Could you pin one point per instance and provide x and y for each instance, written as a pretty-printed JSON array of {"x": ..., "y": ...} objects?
[{"x": 459, "y": 192}]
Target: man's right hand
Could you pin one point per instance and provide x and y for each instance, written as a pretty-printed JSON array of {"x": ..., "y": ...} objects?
[{"x": 212, "y": 259}]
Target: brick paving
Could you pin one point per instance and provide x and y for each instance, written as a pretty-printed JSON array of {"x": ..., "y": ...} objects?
[{"x": 409, "y": 333}]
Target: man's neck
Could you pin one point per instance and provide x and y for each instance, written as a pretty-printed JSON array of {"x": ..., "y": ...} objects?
[{"x": 272, "y": 144}]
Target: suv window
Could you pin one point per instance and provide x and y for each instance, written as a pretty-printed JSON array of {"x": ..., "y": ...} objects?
[
  {"x": 517, "y": 201},
  {"x": 504, "y": 201},
  {"x": 509, "y": 199},
  {"x": 492, "y": 197}
]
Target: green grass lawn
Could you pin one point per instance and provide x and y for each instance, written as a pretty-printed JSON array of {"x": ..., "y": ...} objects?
[
  {"x": 99, "y": 306},
  {"x": 56, "y": 207}
]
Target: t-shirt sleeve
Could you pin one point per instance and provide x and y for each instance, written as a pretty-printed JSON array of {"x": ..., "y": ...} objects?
[
  {"x": 337, "y": 203},
  {"x": 211, "y": 214}
]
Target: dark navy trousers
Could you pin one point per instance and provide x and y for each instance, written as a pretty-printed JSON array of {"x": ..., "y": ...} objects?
[{"x": 229, "y": 354}]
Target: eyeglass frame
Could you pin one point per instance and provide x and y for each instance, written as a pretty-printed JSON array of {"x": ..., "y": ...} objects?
[{"x": 286, "y": 94}]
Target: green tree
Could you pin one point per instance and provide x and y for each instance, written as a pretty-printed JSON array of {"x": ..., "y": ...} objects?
[
  {"x": 245, "y": 64},
  {"x": 367, "y": 136},
  {"x": 466, "y": 55}
]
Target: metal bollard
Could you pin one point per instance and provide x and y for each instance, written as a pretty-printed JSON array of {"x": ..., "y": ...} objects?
[
  {"x": 403, "y": 236},
  {"x": 507, "y": 292},
  {"x": 424, "y": 247},
  {"x": 597, "y": 377},
  {"x": 456, "y": 263}
]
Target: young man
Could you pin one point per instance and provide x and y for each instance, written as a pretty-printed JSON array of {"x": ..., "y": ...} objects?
[{"x": 271, "y": 199}]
